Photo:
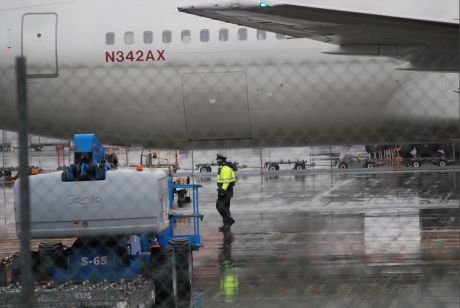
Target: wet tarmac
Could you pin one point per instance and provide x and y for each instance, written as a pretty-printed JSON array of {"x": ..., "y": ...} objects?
[
  {"x": 333, "y": 240},
  {"x": 342, "y": 239}
]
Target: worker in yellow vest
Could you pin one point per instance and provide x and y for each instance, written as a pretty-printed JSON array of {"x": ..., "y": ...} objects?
[{"x": 226, "y": 180}]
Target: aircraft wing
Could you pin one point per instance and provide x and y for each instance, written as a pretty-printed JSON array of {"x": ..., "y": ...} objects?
[{"x": 426, "y": 44}]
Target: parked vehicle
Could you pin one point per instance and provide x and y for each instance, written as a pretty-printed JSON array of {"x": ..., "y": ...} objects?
[
  {"x": 207, "y": 167},
  {"x": 297, "y": 164},
  {"x": 357, "y": 161},
  {"x": 438, "y": 158}
]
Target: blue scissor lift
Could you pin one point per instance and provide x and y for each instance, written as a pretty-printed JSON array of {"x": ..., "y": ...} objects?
[
  {"x": 96, "y": 259},
  {"x": 113, "y": 270}
]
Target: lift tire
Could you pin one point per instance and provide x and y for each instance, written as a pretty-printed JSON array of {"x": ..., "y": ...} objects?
[
  {"x": 370, "y": 165},
  {"x": 203, "y": 169},
  {"x": 209, "y": 169},
  {"x": 184, "y": 266},
  {"x": 16, "y": 267},
  {"x": 299, "y": 167},
  {"x": 442, "y": 163},
  {"x": 50, "y": 255},
  {"x": 165, "y": 278},
  {"x": 343, "y": 166},
  {"x": 416, "y": 164}
]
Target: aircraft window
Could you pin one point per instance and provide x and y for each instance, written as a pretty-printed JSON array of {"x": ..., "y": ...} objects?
[
  {"x": 167, "y": 36},
  {"x": 110, "y": 38},
  {"x": 223, "y": 35},
  {"x": 148, "y": 37},
  {"x": 186, "y": 36},
  {"x": 242, "y": 34},
  {"x": 261, "y": 35},
  {"x": 279, "y": 36},
  {"x": 129, "y": 38},
  {"x": 204, "y": 35}
]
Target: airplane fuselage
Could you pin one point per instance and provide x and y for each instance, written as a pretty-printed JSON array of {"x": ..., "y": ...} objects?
[{"x": 140, "y": 72}]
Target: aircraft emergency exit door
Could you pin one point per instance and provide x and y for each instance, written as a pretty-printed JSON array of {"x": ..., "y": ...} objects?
[{"x": 39, "y": 44}]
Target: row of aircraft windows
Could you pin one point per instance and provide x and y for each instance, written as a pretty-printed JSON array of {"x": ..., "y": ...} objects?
[{"x": 186, "y": 36}]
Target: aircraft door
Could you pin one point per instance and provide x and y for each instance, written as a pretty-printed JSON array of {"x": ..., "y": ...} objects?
[
  {"x": 39, "y": 44},
  {"x": 216, "y": 106}
]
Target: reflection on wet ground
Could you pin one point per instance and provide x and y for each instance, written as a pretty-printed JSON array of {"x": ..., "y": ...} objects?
[
  {"x": 336, "y": 240},
  {"x": 325, "y": 240}
]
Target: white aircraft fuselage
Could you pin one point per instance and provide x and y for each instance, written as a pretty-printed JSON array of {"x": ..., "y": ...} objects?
[{"x": 92, "y": 67}]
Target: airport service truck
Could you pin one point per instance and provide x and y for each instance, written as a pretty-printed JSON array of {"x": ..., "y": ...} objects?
[
  {"x": 438, "y": 158},
  {"x": 357, "y": 161},
  {"x": 297, "y": 164},
  {"x": 207, "y": 167},
  {"x": 125, "y": 251}
]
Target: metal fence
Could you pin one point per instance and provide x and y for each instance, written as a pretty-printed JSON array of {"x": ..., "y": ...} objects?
[{"x": 115, "y": 222}]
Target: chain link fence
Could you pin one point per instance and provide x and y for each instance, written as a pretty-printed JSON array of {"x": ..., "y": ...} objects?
[{"x": 103, "y": 235}]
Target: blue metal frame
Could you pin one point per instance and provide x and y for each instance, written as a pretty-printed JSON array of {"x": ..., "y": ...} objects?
[
  {"x": 109, "y": 270},
  {"x": 195, "y": 237},
  {"x": 89, "y": 143}
]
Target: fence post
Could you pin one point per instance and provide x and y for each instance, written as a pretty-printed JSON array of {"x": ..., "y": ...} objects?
[{"x": 26, "y": 266}]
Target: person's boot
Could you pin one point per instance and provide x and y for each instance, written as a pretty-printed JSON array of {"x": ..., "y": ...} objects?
[
  {"x": 225, "y": 228},
  {"x": 221, "y": 228}
]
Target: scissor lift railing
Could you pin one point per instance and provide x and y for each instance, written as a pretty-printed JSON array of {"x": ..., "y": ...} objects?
[{"x": 195, "y": 237}]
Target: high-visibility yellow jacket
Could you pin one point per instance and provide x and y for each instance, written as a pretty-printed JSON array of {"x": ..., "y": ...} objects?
[{"x": 225, "y": 177}]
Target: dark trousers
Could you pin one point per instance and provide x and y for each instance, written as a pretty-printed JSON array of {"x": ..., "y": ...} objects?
[{"x": 223, "y": 207}]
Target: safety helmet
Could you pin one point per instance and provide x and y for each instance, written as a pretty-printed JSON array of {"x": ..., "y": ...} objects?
[{"x": 220, "y": 156}]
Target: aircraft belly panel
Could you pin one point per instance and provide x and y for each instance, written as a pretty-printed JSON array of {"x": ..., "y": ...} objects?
[
  {"x": 216, "y": 105},
  {"x": 39, "y": 44}
]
